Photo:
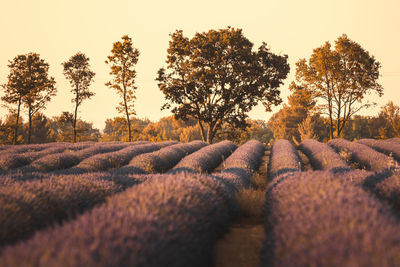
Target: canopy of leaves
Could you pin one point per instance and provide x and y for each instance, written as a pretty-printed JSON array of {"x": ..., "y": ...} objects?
[
  {"x": 77, "y": 72},
  {"x": 285, "y": 123},
  {"x": 29, "y": 75},
  {"x": 122, "y": 61},
  {"x": 340, "y": 78},
  {"x": 215, "y": 77}
]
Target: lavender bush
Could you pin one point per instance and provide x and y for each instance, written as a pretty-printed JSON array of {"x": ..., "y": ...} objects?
[
  {"x": 38, "y": 147},
  {"x": 283, "y": 159},
  {"x": 322, "y": 156},
  {"x": 27, "y": 148},
  {"x": 206, "y": 159},
  {"x": 162, "y": 160},
  {"x": 66, "y": 160},
  {"x": 362, "y": 154},
  {"x": 28, "y": 206},
  {"x": 102, "y": 162},
  {"x": 170, "y": 220},
  {"x": 386, "y": 186},
  {"x": 394, "y": 140},
  {"x": 388, "y": 148},
  {"x": 238, "y": 168},
  {"x": 316, "y": 219},
  {"x": 14, "y": 160}
]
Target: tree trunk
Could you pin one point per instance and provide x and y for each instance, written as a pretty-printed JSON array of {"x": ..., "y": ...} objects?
[
  {"x": 330, "y": 123},
  {"x": 202, "y": 131},
  {"x": 129, "y": 128},
  {"x": 17, "y": 122},
  {"x": 210, "y": 133},
  {"x": 330, "y": 129},
  {"x": 127, "y": 117},
  {"x": 76, "y": 113},
  {"x": 30, "y": 125}
]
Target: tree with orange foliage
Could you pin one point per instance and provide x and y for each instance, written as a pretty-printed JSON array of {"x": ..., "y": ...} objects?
[
  {"x": 123, "y": 58},
  {"x": 340, "y": 78},
  {"x": 217, "y": 78}
]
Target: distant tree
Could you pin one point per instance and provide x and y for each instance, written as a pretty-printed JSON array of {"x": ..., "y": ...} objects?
[
  {"x": 122, "y": 61},
  {"x": 7, "y": 127},
  {"x": 77, "y": 72},
  {"x": 340, "y": 78},
  {"x": 389, "y": 117},
  {"x": 15, "y": 89},
  {"x": 116, "y": 129},
  {"x": 216, "y": 78},
  {"x": 31, "y": 80},
  {"x": 41, "y": 131},
  {"x": 307, "y": 129},
  {"x": 256, "y": 129},
  {"x": 62, "y": 129},
  {"x": 285, "y": 123}
]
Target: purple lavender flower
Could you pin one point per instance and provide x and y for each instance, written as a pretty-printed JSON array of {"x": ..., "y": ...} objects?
[
  {"x": 28, "y": 206},
  {"x": 283, "y": 159},
  {"x": 206, "y": 159},
  {"x": 362, "y": 154},
  {"x": 322, "y": 157},
  {"x": 170, "y": 220},
  {"x": 161, "y": 160},
  {"x": 316, "y": 219},
  {"x": 388, "y": 148}
]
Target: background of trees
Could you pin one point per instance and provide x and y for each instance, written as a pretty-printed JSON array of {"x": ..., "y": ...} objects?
[
  {"x": 211, "y": 81},
  {"x": 298, "y": 127}
]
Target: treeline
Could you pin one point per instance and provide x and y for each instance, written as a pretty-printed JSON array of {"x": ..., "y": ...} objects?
[
  {"x": 210, "y": 82},
  {"x": 297, "y": 122},
  {"x": 60, "y": 129}
]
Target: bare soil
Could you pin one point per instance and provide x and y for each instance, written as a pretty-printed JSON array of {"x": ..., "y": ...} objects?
[
  {"x": 305, "y": 160},
  {"x": 242, "y": 245}
]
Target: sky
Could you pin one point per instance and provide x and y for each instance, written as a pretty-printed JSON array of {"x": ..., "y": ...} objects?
[{"x": 58, "y": 29}]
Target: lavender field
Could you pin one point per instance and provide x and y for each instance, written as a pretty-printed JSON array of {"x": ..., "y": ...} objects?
[{"x": 171, "y": 203}]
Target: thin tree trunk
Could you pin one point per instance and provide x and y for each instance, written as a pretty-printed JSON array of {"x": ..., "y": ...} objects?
[
  {"x": 17, "y": 122},
  {"x": 210, "y": 134},
  {"x": 30, "y": 125},
  {"x": 330, "y": 122},
  {"x": 76, "y": 113},
  {"x": 127, "y": 117},
  {"x": 202, "y": 131}
]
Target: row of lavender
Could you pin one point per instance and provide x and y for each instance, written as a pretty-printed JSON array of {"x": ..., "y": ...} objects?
[
  {"x": 170, "y": 219},
  {"x": 45, "y": 154},
  {"x": 332, "y": 217},
  {"x": 32, "y": 201},
  {"x": 284, "y": 165}
]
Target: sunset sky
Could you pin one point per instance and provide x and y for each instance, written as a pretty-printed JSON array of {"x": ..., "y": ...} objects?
[{"x": 57, "y": 29}]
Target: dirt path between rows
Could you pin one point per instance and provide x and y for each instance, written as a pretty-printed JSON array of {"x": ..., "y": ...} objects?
[{"x": 242, "y": 244}]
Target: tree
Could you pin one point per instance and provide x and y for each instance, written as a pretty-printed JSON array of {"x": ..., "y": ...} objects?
[
  {"x": 307, "y": 129},
  {"x": 15, "y": 89},
  {"x": 256, "y": 129},
  {"x": 77, "y": 72},
  {"x": 32, "y": 82},
  {"x": 123, "y": 58},
  {"x": 41, "y": 132},
  {"x": 389, "y": 118},
  {"x": 116, "y": 129},
  {"x": 285, "y": 123},
  {"x": 340, "y": 78},
  {"x": 62, "y": 130},
  {"x": 215, "y": 77},
  {"x": 7, "y": 127}
]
